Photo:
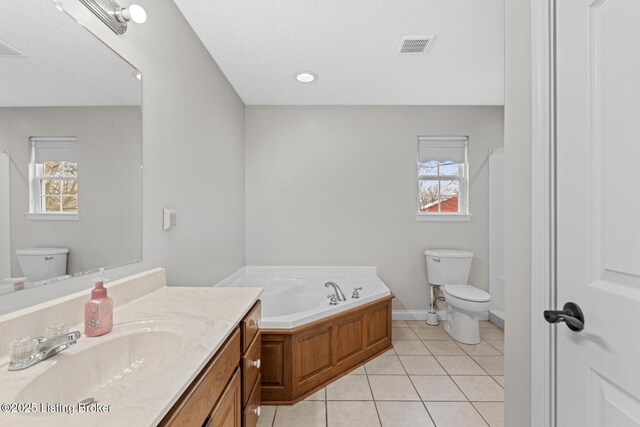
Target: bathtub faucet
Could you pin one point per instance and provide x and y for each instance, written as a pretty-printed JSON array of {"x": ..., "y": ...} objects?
[{"x": 341, "y": 296}]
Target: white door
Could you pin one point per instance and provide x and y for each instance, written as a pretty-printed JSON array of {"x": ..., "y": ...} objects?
[{"x": 598, "y": 210}]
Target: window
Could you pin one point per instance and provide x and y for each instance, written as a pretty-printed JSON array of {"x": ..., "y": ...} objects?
[
  {"x": 442, "y": 178},
  {"x": 53, "y": 172}
]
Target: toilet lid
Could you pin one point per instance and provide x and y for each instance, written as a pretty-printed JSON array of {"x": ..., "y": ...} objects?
[
  {"x": 467, "y": 293},
  {"x": 42, "y": 251}
]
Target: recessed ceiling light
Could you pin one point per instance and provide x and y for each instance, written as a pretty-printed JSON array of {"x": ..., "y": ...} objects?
[{"x": 306, "y": 77}]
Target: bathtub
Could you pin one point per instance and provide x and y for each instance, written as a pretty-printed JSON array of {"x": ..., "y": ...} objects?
[
  {"x": 305, "y": 343},
  {"x": 294, "y": 296}
]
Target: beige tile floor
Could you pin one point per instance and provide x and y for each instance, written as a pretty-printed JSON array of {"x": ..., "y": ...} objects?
[{"x": 427, "y": 380}]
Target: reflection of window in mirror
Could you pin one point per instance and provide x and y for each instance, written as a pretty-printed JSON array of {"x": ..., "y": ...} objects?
[{"x": 53, "y": 170}]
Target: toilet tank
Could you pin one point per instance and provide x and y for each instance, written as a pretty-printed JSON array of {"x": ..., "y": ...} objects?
[
  {"x": 448, "y": 266},
  {"x": 42, "y": 263}
]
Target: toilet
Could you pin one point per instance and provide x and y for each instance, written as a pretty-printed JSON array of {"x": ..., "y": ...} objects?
[
  {"x": 465, "y": 303},
  {"x": 42, "y": 263}
]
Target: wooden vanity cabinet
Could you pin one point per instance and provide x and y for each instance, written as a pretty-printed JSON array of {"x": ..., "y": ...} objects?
[
  {"x": 250, "y": 364},
  {"x": 226, "y": 393},
  {"x": 227, "y": 412},
  {"x": 251, "y": 411}
]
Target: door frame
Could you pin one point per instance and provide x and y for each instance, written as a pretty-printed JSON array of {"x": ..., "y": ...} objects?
[{"x": 543, "y": 217}]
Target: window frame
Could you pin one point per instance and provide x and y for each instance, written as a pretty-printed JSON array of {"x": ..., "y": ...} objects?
[
  {"x": 463, "y": 178},
  {"x": 36, "y": 183}
]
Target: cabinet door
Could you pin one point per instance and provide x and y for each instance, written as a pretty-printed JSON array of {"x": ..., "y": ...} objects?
[
  {"x": 195, "y": 405},
  {"x": 250, "y": 325},
  {"x": 252, "y": 410},
  {"x": 250, "y": 368},
  {"x": 228, "y": 410}
]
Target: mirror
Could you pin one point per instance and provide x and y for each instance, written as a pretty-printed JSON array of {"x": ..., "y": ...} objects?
[{"x": 70, "y": 149}]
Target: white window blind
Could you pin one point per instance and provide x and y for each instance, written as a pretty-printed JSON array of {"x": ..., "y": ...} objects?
[
  {"x": 53, "y": 177},
  {"x": 54, "y": 150},
  {"x": 442, "y": 149}
]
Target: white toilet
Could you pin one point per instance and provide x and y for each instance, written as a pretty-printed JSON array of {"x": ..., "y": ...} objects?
[
  {"x": 465, "y": 303},
  {"x": 42, "y": 263}
]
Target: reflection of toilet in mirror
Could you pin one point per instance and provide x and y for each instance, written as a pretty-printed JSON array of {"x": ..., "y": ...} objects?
[{"x": 42, "y": 263}]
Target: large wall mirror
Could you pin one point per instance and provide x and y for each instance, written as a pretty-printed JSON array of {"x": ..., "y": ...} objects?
[{"x": 70, "y": 149}]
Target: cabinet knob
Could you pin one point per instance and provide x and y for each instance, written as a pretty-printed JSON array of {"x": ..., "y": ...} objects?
[
  {"x": 255, "y": 323},
  {"x": 255, "y": 363},
  {"x": 257, "y": 411}
]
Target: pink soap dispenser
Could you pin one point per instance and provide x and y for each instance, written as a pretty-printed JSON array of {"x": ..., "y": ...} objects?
[{"x": 98, "y": 311}]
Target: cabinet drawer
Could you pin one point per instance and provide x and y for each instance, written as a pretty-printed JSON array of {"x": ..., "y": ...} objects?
[
  {"x": 195, "y": 404},
  {"x": 250, "y": 368},
  {"x": 227, "y": 412},
  {"x": 251, "y": 412},
  {"x": 250, "y": 326}
]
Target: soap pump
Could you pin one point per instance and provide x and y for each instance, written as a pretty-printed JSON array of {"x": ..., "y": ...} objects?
[{"x": 98, "y": 311}]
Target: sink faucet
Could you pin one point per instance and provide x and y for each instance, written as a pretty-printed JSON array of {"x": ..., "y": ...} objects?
[
  {"x": 340, "y": 295},
  {"x": 44, "y": 349}
]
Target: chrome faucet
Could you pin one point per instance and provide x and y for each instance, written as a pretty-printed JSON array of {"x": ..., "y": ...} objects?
[
  {"x": 340, "y": 295},
  {"x": 44, "y": 349}
]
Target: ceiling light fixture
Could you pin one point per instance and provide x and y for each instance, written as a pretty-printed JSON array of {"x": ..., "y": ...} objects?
[
  {"x": 115, "y": 16},
  {"x": 135, "y": 13},
  {"x": 306, "y": 77}
]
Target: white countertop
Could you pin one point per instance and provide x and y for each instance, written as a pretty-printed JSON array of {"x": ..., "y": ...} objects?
[{"x": 211, "y": 314}]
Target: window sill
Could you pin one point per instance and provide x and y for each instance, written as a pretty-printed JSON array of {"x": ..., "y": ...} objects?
[
  {"x": 444, "y": 217},
  {"x": 53, "y": 216}
]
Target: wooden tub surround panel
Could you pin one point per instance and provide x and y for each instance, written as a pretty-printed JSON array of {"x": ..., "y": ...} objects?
[
  {"x": 299, "y": 361},
  {"x": 378, "y": 326},
  {"x": 312, "y": 353},
  {"x": 276, "y": 357}
]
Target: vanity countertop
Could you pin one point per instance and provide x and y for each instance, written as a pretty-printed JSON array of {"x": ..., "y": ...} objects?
[{"x": 183, "y": 326}]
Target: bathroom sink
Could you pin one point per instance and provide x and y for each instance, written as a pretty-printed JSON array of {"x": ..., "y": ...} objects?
[
  {"x": 106, "y": 369},
  {"x": 136, "y": 373}
]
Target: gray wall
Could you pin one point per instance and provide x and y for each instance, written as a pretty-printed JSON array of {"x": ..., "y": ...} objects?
[
  {"x": 193, "y": 123},
  {"x": 109, "y": 229},
  {"x": 193, "y": 153},
  {"x": 337, "y": 186},
  {"x": 518, "y": 213}
]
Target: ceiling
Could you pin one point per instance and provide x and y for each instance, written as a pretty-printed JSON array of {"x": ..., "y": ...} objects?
[
  {"x": 65, "y": 65},
  {"x": 352, "y": 45}
]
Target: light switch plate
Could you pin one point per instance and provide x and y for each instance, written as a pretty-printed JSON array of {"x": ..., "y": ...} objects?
[{"x": 169, "y": 219}]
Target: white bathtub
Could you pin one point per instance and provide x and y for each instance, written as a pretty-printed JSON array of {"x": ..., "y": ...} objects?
[{"x": 294, "y": 296}]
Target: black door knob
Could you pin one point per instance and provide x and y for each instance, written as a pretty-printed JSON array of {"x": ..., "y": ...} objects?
[{"x": 570, "y": 314}]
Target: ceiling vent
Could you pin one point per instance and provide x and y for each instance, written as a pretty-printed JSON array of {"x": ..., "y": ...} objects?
[
  {"x": 8, "y": 51},
  {"x": 413, "y": 45}
]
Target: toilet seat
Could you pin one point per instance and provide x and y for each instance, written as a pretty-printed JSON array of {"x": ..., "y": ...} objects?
[{"x": 466, "y": 293}]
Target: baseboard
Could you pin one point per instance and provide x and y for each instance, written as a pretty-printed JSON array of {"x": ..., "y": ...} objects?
[
  {"x": 415, "y": 314},
  {"x": 422, "y": 315},
  {"x": 497, "y": 318}
]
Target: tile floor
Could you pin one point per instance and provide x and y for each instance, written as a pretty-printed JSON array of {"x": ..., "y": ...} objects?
[{"x": 426, "y": 380}]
